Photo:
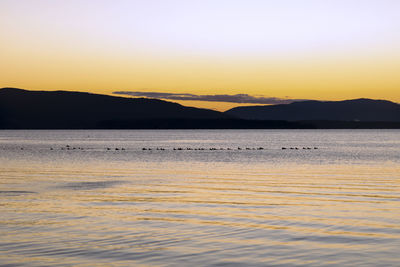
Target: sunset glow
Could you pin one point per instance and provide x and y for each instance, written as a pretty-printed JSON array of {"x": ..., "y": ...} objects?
[{"x": 309, "y": 49}]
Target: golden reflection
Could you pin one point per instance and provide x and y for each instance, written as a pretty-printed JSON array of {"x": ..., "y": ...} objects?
[{"x": 130, "y": 207}]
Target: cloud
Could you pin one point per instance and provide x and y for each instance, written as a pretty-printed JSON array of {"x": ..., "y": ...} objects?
[{"x": 238, "y": 98}]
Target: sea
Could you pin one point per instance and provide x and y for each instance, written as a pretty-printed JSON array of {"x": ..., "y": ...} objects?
[{"x": 200, "y": 198}]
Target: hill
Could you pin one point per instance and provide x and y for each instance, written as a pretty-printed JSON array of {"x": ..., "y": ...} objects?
[
  {"x": 357, "y": 110},
  {"x": 76, "y": 110},
  {"x": 23, "y": 109}
]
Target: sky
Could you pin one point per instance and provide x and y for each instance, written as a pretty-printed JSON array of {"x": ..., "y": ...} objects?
[{"x": 282, "y": 50}]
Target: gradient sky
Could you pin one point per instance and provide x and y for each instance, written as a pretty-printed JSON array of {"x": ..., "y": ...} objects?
[{"x": 297, "y": 49}]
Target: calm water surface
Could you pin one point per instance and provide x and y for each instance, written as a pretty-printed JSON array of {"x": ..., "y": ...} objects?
[{"x": 337, "y": 205}]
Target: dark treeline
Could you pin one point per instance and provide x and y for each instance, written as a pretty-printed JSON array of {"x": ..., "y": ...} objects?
[
  {"x": 213, "y": 124},
  {"x": 242, "y": 124},
  {"x": 200, "y": 124}
]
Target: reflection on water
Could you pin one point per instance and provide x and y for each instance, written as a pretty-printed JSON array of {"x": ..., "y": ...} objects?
[
  {"x": 335, "y": 206},
  {"x": 89, "y": 185}
]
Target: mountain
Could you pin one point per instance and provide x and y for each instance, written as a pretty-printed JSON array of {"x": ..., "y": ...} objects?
[
  {"x": 361, "y": 110},
  {"x": 73, "y": 110},
  {"x": 23, "y": 109}
]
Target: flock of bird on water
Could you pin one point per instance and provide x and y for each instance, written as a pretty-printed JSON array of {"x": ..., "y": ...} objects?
[{"x": 68, "y": 147}]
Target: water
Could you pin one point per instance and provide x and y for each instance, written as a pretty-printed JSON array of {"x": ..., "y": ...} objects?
[{"x": 337, "y": 205}]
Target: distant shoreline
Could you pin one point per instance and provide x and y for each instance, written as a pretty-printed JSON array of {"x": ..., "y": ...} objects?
[
  {"x": 24, "y": 109},
  {"x": 217, "y": 124}
]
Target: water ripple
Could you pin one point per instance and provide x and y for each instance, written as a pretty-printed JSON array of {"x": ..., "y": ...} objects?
[{"x": 338, "y": 206}]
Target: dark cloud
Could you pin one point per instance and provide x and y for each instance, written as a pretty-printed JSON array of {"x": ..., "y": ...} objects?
[{"x": 238, "y": 98}]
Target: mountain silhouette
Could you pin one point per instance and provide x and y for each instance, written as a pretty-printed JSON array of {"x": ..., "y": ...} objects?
[
  {"x": 362, "y": 110},
  {"x": 24, "y": 109},
  {"x": 64, "y": 109}
]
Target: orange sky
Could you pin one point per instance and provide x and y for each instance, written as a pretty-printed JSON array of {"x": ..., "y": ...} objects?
[{"x": 330, "y": 51}]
